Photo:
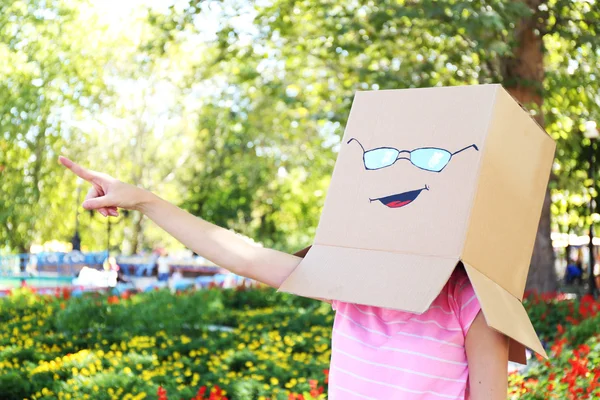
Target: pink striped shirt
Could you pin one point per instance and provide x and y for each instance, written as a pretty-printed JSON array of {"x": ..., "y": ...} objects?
[{"x": 385, "y": 354}]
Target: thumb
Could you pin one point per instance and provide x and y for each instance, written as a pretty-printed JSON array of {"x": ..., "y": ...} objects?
[{"x": 98, "y": 202}]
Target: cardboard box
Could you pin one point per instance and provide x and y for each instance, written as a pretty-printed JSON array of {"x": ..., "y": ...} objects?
[{"x": 427, "y": 179}]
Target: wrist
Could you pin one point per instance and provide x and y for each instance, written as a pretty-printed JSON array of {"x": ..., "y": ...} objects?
[{"x": 146, "y": 201}]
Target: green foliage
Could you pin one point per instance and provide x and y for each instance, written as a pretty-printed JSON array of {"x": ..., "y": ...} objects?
[
  {"x": 112, "y": 347},
  {"x": 295, "y": 71},
  {"x": 49, "y": 70},
  {"x": 278, "y": 343},
  {"x": 189, "y": 313},
  {"x": 15, "y": 385},
  {"x": 240, "y": 123}
]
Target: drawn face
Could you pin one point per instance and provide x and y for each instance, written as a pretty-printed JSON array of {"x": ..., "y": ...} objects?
[
  {"x": 430, "y": 159},
  {"x": 405, "y": 176}
]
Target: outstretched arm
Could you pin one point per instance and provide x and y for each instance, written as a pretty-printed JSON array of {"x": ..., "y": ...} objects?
[{"x": 219, "y": 245}]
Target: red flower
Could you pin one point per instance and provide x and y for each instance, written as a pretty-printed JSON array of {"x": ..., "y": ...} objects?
[
  {"x": 558, "y": 346},
  {"x": 583, "y": 350},
  {"x": 162, "y": 393},
  {"x": 66, "y": 293},
  {"x": 314, "y": 390},
  {"x": 572, "y": 320},
  {"x": 532, "y": 382},
  {"x": 588, "y": 298},
  {"x": 113, "y": 299}
]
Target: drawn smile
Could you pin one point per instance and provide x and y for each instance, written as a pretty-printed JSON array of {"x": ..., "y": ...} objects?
[{"x": 400, "y": 199}]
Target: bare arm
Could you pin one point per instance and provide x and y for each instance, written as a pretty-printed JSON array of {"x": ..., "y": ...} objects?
[
  {"x": 487, "y": 355},
  {"x": 219, "y": 245}
]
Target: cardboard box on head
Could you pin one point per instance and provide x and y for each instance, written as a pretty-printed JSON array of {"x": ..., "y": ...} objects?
[{"x": 426, "y": 180}]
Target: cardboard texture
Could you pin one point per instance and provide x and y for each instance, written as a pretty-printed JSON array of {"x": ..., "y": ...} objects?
[{"x": 426, "y": 179}]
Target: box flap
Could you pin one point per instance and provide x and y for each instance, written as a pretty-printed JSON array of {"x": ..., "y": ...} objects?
[
  {"x": 404, "y": 282},
  {"x": 505, "y": 313},
  {"x": 515, "y": 167}
]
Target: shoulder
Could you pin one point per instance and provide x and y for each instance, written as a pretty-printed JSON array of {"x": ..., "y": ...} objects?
[{"x": 462, "y": 297}]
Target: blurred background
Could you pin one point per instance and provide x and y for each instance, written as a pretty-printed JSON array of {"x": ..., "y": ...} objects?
[{"x": 234, "y": 111}]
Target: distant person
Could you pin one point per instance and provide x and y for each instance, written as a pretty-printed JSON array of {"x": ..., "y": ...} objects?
[
  {"x": 110, "y": 264},
  {"x": 121, "y": 277},
  {"x": 597, "y": 272},
  {"x": 164, "y": 269},
  {"x": 177, "y": 275},
  {"x": 32, "y": 265},
  {"x": 574, "y": 273}
]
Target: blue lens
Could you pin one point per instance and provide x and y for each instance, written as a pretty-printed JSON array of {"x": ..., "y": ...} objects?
[
  {"x": 430, "y": 159},
  {"x": 380, "y": 158}
]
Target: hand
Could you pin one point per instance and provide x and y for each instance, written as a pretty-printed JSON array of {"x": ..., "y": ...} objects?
[{"x": 107, "y": 193}]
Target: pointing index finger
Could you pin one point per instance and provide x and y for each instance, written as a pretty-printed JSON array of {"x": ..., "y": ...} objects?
[{"x": 77, "y": 169}]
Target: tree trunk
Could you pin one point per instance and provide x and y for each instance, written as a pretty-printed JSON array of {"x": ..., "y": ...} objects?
[
  {"x": 523, "y": 78},
  {"x": 136, "y": 233}
]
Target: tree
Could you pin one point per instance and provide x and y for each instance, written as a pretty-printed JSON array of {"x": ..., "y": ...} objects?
[
  {"x": 90, "y": 86},
  {"x": 314, "y": 54},
  {"x": 48, "y": 73}
]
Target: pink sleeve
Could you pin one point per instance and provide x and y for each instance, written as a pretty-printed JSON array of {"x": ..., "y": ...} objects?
[{"x": 466, "y": 304}]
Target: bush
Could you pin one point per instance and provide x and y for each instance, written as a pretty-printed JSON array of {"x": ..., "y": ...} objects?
[
  {"x": 14, "y": 385},
  {"x": 251, "y": 343}
]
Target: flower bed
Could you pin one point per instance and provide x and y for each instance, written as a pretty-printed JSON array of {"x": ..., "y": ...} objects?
[
  {"x": 104, "y": 347},
  {"x": 230, "y": 344},
  {"x": 570, "y": 328}
]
